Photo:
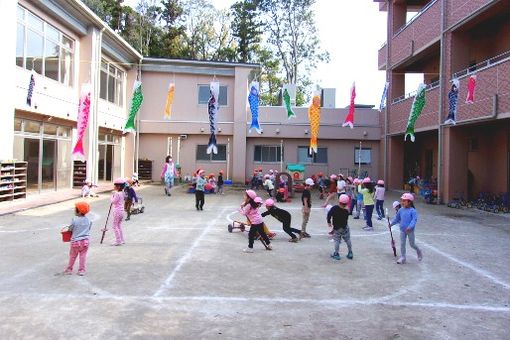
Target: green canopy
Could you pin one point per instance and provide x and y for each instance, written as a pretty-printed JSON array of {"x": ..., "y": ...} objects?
[{"x": 296, "y": 167}]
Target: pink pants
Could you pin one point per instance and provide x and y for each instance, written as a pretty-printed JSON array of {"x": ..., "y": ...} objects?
[
  {"x": 78, "y": 248},
  {"x": 118, "y": 216}
]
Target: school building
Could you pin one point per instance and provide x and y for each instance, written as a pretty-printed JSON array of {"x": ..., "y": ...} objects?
[
  {"x": 65, "y": 46},
  {"x": 446, "y": 40}
]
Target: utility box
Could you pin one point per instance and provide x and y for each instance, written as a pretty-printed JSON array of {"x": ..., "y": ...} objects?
[{"x": 328, "y": 98}]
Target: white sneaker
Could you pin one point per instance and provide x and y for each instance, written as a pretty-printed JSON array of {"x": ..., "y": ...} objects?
[
  {"x": 268, "y": 247},
  {"x": 401, "y": 260},
  {"x": 248, "y": 250},
  {"x": 367, "y": 228}
]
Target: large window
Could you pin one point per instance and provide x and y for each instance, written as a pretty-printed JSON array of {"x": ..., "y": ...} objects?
[
  {"x": 204, "y": 93},
  {"x": 320, "y": 157},
  {"x": 268, "y": 153},
  {"x": 221, "y": 156},
  {"x": 364, "y": 158},
  {"x": 112, "y": 83},
  {"x": 43, "y": 48}
]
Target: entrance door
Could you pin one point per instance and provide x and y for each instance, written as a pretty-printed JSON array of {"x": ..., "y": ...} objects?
[
  {"x": 49, "y": 155},
  {"x": 428, "y": 164},
  {"x": 105, "y": 162},
  {"x": 31, "y": 156}
]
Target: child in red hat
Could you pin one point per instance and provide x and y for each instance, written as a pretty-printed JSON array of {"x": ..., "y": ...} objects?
[{"x": 80, "y": 228}]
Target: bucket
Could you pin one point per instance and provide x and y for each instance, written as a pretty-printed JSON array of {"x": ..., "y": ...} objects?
[{"x": 66, "y": 235}]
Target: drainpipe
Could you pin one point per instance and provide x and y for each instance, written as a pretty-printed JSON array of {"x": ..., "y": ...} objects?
[
  {"x": 386, "y": 125},
  {"x": 440, "y": 141},
  {"x": 137, "y": 136}
]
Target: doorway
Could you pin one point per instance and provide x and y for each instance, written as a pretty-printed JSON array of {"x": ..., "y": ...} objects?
[
  {"x": 31, "y": 156},
  {"x": 105, "y": 162},
  {"x": 49, "y": 155}
]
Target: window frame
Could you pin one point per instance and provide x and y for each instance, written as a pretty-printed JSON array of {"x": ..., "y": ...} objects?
[
  {"x": 279, "y": 153},
  {"x": 62, "y": 47},
  {"x": 357, "y": 158},
  {"x": 118, "y": 75},
  {"x": 219, "y": 99},
  {"x": 211, "y": 155},
  {"x": 314, "y": 155}
]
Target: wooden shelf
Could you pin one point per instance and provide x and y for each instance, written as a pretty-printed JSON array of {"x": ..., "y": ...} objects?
[{"x": 18, "y": 171}]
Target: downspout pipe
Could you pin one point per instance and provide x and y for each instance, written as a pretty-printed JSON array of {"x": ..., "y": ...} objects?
[{"x": 440, "y": 139}]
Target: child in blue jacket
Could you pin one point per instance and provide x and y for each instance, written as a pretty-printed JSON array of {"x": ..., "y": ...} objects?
[{"x": 407, "y": 217}]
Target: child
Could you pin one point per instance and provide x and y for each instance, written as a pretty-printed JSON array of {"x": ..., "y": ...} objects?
[
  {"x": 331, "y": 189},
  {"x": 340, "y": 215},
  {"x": 220, "y": 183},
  {"x": 254, "y": 181},
  {"x": 129, "y": 197},
  {"x": 80, "y": 227},
  {"x": 322, "y": 184},
  {"x": 268, "y": 185},
  {"x": 282, "y": 216},
  {"x": 199, "y": 190},
  {"x": 168, "y": 173},
  {"x": 306, "y": 200},
  {"x": 212, "y": 183},
  {"x": 117, "y": 201},
  {"x": 396, "y": 206},
  {"x": 353, "y": 193},
  {"x": 407, "y": 217},
  {"x": 368, "y": 201},
  {"x": 379, "y": 199},
  {"x": 86, "y": 190},
  {"x": 134, "y": 178},
  {"x": 249, "y": 208},
  {"x": 359, "y": 199}
]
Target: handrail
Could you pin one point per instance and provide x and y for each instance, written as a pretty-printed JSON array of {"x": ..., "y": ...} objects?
[
  {"x": 483, "y": 65},
  {"x": 428, "y": 87},
  {"x": 425, "y": 8}
]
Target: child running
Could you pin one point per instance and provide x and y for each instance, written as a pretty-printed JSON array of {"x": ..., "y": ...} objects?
[
  {"x": 368, "y": 201},
  {"x": 407, "y": 217},
  {"x": 250, "y": 209},
  {"x": 80, "y": 228},
  {"x": 199, "y": 190},
  {"x": 268, "y": 185},
  {"x": 117, "y": 202},
  {"x": 129, "y": 198},
  {"x": 306, "y": 200},
  {"x": 340, "y": 215},
  {"x": 282, "y": 216},
  {"x": 379, "y": 199}
]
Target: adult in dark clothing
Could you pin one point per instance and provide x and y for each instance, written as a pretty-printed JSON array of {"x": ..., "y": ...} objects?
[
  {"x": 306, "y": 200},
  {"x": 282, "y": 216},
  {"x": 339, "y": 215}
]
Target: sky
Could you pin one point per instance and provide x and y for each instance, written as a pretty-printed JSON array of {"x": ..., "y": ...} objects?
[{"x": 352, "y": 31}]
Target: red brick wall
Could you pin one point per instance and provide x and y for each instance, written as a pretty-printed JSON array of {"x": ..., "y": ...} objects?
[
  {"x": 457, "y": 10},
  {"x": 399, "y": 113},
  {"x": 382, "y": 57}
]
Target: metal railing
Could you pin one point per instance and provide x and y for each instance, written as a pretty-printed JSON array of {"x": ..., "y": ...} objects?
[
  {"x": 505, "y": 56},
  {"x": 416, "y": 16},
  {"x": 412, "y": 94}
]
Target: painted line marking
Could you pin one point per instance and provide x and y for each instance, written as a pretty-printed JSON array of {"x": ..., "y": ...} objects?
[{"x": 187, "y": 255}]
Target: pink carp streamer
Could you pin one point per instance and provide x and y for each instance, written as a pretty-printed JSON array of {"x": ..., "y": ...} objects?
[
  {"x": 349, "y": 120},
  {"x": 83, "y": 121},
  {"x": 471, "y": 89}
]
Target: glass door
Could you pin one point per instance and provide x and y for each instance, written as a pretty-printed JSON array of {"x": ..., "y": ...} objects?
[
  {"x": 101, "y": 162},
  {"x": 109, "y": 162},
  {"x": 49, "y": 152},
  {"x": 31, "y": 156}
]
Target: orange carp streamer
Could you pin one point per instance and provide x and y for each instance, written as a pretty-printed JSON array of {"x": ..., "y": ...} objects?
[{"x": 314, "y": 116}]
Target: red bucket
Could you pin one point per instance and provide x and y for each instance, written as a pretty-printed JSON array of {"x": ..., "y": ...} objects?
[{"x": 66, "y": 235}]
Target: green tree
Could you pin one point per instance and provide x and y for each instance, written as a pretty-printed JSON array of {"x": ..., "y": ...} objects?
[
  {"x": 174, "y": 32},
  {"x": 110, "y": 11},
  {"x": 245, "y": 28}
]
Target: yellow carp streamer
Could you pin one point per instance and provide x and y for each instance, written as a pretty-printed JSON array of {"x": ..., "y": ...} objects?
[
  {"x": 314, "y": 116},
  {"x": 169, "y": 100}
]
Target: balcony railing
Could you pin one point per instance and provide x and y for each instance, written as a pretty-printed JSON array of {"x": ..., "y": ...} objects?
[
  {"x": 416, "y": 16},
  {"x": 483, "y": 65},
  {"x": 412, "y": 94}
]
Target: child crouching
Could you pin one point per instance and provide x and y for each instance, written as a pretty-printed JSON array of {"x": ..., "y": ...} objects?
[
  {"x": 340, "y": 215},
  {"x": 80, "y": 228}
]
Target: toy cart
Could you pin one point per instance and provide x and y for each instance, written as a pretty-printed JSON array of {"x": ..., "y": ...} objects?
[
  {"x": 138, "y": 207},
  {"x": 244, "y": 226}
]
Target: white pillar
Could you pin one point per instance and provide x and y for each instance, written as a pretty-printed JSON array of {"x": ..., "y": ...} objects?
[{"x": 7, "y": 60}]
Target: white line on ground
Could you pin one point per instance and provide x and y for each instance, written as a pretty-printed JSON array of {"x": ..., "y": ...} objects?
[
  {"x": 187, "y": 255},
  {"x": 479, "y": 271}
]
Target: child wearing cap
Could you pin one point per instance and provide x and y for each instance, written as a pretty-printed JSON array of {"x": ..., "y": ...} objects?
[
  {"x": 359, "y": 198},
  {"x": 80, "y": 228},
  {"x": 282, "y": 216},
  {"x": 86, "y": 190},
  {"x": 129, "y": 197},
  {"x": 331, "y": 189},
  {"x": 306, "y": 200},
  {"x": 199, "y": 190},
  {"x": 268, "y": 185},
  {"x": 117, "y": 201},
  {"x": 220, "y": 183},
  {"x": 379, "y": 199},
  {"x": 407, "y": 218},
  {"x": 367, "y": 191},
  {"x": 250, "y": 209},
  {"x": 396, "y": 206},
  {"x": 339, "y": 214}
]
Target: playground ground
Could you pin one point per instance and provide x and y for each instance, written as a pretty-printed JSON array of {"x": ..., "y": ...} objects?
[{"x": 181, "y": 275}]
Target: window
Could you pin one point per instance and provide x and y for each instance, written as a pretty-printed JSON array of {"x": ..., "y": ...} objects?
[
  {"x": 204, "y": 93},
  {"x": 43, "y": 48},
  {"x": 221, "y": 156},
  {"x": 320, "y": 157},
  {"x": 365, "y": 157},
  {"x": 267, "y": 153},
  {"x": 111, "y": 83}
]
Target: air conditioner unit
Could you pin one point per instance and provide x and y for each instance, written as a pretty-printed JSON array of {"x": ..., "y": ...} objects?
[
  {"x": 328, "y": 98},
  {"x": 183, "y": 137}
]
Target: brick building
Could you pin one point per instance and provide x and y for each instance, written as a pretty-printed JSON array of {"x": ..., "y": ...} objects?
[{"x": 446, "y": 40}]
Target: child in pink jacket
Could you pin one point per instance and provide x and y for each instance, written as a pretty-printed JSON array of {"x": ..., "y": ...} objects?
[{"x": 250, "y": 209}]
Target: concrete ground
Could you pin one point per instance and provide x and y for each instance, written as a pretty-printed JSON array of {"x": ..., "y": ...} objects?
[{"x": 181, "y": 275}]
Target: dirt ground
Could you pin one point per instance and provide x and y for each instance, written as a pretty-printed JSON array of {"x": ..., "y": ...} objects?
[{"x": 182, "y": 275}]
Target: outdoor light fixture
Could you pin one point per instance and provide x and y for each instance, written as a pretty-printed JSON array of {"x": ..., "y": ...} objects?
[
  {"x": 219, "y": 129},
  {"x": 277, "y": 131},
  {"x": 201, "y": 129},
  {"x": 306, "y": 132},
  {"x": 365, "y": 133}
]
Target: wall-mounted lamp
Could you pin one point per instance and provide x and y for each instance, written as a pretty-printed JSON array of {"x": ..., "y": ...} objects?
[
  {"x": 277, "y": 131},
  {"x": 306, "y": 132},
  {"x": 201, "y": 129},
  {"x": 219, "y": 129},
  {"x": 365, "y": 133}
]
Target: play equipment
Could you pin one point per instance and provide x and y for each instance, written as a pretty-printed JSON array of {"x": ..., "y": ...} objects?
[
  {"x": 66, "y": 234},
  {"x": 288, "y": 188},
  {"x": 244, "y": 226},
  {"x": 138, "y": 207},
  {"x": 298, "y": 176}
]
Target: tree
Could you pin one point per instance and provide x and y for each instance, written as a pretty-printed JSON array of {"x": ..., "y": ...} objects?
[
  {"x": 174, "y": 32},
  {"x": 110, "y": 11},
  {"x": 290, "y": 27},
  {"x": 245, "y": 28}
]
